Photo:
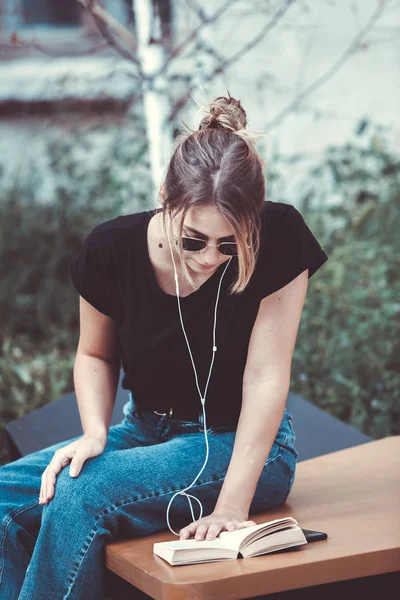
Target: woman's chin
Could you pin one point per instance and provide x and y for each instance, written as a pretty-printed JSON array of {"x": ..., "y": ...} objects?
[{"x": 199, "y": 268}]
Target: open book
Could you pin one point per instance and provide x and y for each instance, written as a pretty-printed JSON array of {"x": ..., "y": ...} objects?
[{"x": 230, "y": 545}]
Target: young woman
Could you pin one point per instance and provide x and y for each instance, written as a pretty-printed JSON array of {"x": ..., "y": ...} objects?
[{"x": 201, "y": 300}]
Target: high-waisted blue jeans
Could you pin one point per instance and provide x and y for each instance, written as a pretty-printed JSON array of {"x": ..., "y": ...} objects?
[{"x": 55, "y": 551}]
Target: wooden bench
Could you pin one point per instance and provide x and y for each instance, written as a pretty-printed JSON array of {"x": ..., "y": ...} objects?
[{"x": 351, "y": 494}]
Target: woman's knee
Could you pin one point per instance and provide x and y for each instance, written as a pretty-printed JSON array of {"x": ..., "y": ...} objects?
[{"x": 92, "y": 488}]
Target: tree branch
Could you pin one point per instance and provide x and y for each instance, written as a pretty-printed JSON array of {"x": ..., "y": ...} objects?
[
  {"x": 257, "y": 39},
  {"x": 205, "y": 20},
  {"x": 227, "y": 62},
  {"x": 106, "y": 24},
  {"x": 320, "y": 81}
]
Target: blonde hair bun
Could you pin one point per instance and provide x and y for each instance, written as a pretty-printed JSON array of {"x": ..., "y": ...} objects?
[
  {"x": 227, "y": 113},
  {"x": 224, "y": 113}
]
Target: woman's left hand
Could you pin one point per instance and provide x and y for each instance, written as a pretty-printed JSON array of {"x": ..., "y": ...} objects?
[{"x": 210, "y": 527}]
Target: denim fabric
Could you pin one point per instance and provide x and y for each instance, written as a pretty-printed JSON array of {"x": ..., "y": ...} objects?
[{"x": 56, "y": 551}]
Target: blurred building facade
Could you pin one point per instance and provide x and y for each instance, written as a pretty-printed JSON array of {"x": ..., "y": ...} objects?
[
  {"x": 58, "y": 74},
  {"x": 56, "y": 69}
]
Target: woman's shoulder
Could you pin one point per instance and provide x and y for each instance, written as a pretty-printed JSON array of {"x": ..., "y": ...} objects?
[
  {"x": 287, "y": 247},
  {"x": 277, "y": 209},
  {"x": 111, "y": 241},
  {"x": 129, "y": 222},
  {"x": 117, "y": 235},
  {"x": 279, "y": 216}
]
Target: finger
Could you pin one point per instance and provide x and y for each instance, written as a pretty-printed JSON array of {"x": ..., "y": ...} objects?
[
  {"x": 42, "y": 486},
  {"x": 51, "y": 478},
  {"x": 76, "y": 466},
  {"x": 50, "y": 483},
  {"x": 231, "y": 525},
  {"x": 201, "y": 532},
  {"x": 49, "y": 475},
  {"x": 213, "y": 531},
  {"x": 54, "y": 468},
  {"x": 186, "y": 532},
  {"x": 246, "y": 524}
]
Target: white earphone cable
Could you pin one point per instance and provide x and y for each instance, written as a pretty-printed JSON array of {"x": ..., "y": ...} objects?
[{"x": 202, "y": 397}]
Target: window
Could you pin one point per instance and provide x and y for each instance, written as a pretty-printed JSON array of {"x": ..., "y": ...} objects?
[{"x": 57, "y": 13}]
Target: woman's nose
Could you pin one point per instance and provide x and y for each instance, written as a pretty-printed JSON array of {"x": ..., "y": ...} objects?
[{"x": 210, "y": 254}]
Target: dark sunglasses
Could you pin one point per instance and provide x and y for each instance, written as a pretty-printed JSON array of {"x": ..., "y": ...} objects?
[{"x": 195, "y": 245}]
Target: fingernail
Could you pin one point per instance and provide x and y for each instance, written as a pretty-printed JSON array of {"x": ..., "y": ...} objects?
[{"x": 73, "y": 471}]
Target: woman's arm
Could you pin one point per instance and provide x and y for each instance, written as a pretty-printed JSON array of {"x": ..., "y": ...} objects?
[
  {"x": 96, "y": 382},
  {"x": 96, "y": 370},
  {"x": 259, "y": 421},
  {"x": 96, "y": 374},
  {"x": 266, "y": 384}
]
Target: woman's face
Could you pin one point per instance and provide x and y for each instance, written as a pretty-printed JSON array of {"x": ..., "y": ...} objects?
[{"x": 206, "y": 223}]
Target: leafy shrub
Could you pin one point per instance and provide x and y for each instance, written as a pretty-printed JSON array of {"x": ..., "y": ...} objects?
[
  {"x": 347, "y": 356},
  {"x": 39, "y": 308}
]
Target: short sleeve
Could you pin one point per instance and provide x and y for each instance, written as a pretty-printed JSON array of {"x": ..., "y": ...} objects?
[
  {"x": 288, "y": 248},
  {"x": 93, "y": 273}
]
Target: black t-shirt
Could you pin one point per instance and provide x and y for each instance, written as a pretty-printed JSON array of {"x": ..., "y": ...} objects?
[{"x": 114, "y": 274}]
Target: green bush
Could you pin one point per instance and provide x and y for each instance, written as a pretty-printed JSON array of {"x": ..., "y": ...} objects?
[
  {"x": 39, "y": 308},
  {"x": 347, "y": 356}
]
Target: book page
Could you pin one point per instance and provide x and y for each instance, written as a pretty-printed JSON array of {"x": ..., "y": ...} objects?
[
  {"x": 241, "y": 537},
  {"x": 192, "y": 551},
  {"x": 191, "y": 544},
  {"x": 276, "y": 541}
]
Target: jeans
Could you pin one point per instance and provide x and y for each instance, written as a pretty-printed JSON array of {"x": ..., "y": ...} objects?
[{"x": 55, "y": 551}]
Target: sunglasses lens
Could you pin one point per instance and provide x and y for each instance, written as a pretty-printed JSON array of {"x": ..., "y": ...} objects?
[
  {"x": 192, "y": 245},
  {"x": 228, "y": 249},
  {"x": 195, "y": 245}
]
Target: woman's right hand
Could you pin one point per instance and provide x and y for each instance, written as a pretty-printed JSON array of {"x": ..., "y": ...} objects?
[{"x": 76, "y": 453}]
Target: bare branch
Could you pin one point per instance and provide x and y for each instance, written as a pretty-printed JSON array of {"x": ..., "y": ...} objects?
[
  {"x": 112, "y": 41},
  {"x": 205, "y": 20},
  {"x": 258, "y": 38},
  {"x": 113, "y": 31},
  {"x": 353, "y": 46},
  {"x": 226, "y": 63}
]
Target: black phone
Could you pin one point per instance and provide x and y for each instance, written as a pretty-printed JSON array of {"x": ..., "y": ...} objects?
[{"x": 314, "y": 536}]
